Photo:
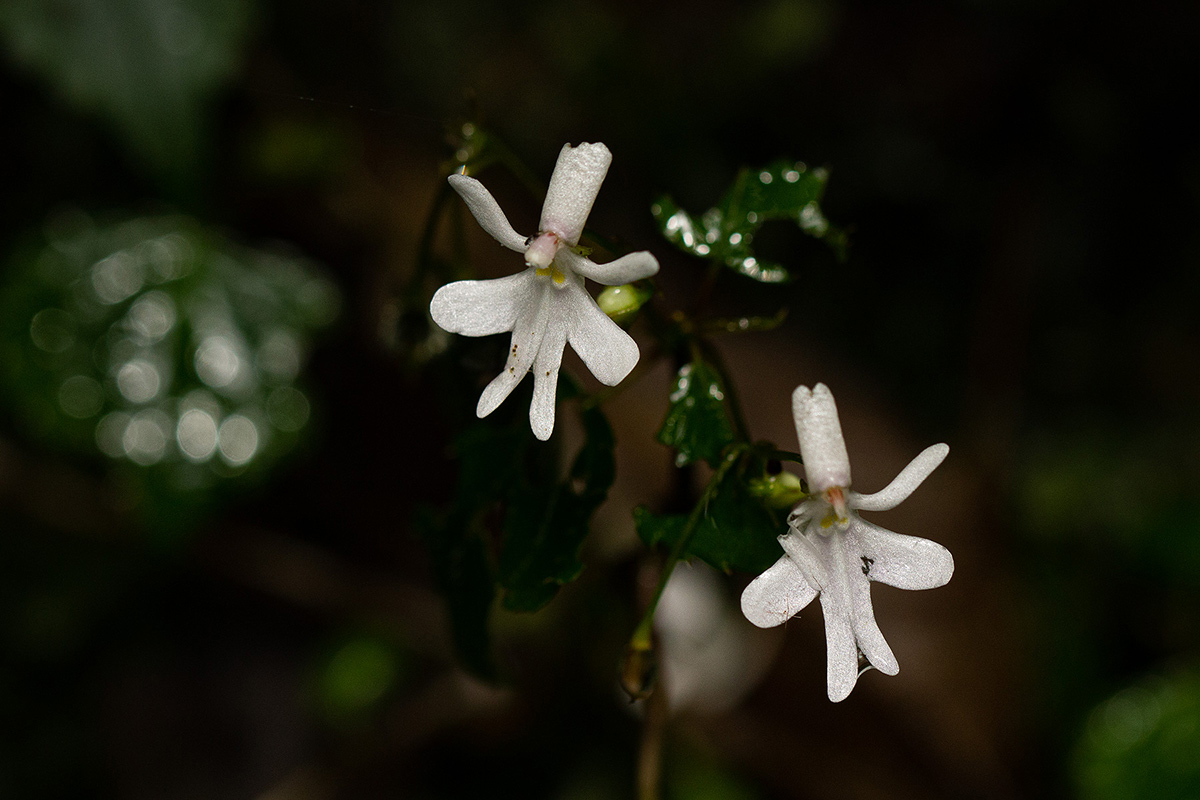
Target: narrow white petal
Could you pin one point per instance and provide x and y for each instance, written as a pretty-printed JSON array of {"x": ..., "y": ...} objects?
[
  {"x": 903, "y": 484},
  {"x": 906, "y": 562},
  {"x": 480, "y": 308},
  {"x": 609, "y": 352},
  {"x": 573, "y": 188},
  {"x": 821, "y": 445},
  {"x": 626, "y": 269},
  {"x": 841, "y": 651},
  {"x": 837, "y": 597},
  {"x": 522, "y": 350},
  {"x": 867, "y": 635},
  {"x": 545, "y": 376},
  {"x": 487, "y": 212},
  {"x": 777, "y": 595}
]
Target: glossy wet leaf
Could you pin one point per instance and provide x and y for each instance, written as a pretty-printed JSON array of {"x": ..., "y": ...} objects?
[
  {"x": 735, "y": 532},
  {"x": 783, "y": 190},
  {"x": 545, "y": 527},
  {"x": 160, "y": 346},
  {"x": 148, "y": 68},
  {"x": 697, "y": 423}
]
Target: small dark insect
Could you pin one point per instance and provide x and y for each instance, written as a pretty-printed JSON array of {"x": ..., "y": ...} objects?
[{"x": 867, "y": 562}]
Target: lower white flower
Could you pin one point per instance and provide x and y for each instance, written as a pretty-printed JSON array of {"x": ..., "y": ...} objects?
[
  {"x": 546, "y": 306},
  {"x": 830, "y": 551}
]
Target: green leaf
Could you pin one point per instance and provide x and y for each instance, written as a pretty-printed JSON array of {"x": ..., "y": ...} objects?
[
  {"x": 544, "y": 528},
  {"x": 697, "y": 423},
  {"x": 735, "y": 532},
  {"x": 783, "y": 190}
]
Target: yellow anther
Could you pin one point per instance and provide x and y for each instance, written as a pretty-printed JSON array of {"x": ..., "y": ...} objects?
[{"x": 553, "y": 273}]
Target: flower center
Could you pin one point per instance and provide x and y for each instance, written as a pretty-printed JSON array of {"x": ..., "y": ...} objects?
[
  {"x": 836, "y": 497},
  {"x": 542, "y": 249}
]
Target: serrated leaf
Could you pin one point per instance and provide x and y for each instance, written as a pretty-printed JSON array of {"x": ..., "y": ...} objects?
[
  {"x": 544, "y": 528},
  {"x": 735, "y": 532},
  {"x": 783, "y": 190},
  {"x": 697, "y": 423}
]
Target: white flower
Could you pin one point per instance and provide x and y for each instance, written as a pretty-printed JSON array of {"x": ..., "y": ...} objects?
[
  {"x": 546, "y": 306},
  {"x": 830, "y": 551}
]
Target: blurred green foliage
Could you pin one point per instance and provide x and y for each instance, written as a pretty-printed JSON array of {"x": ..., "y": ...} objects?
[
  {"x": 161, "y": 345},
  {"x": 147, "y": 68},
  {"x": 1143, "y": 743},
  {"x": 357, "y": 675}
]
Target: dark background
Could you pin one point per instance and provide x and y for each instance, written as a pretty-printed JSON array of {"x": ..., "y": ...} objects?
[{"x": 1021, "y": 181}]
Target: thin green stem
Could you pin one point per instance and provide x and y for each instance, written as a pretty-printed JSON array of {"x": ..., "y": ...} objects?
[{"x": 643, "y": 635}]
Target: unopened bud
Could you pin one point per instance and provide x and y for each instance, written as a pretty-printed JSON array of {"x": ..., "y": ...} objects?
[
  {"x": 782, "y": 490},
  {"x": 620, "y": 303}
]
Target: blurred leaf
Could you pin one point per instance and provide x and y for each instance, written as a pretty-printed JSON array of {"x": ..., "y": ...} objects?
[
  {"x": 357, "y": 676},
  {"x": 697, "y": 423},
  {"x": 164, "y": 347},
  {"x": 735, "y": 532},
  {"x": 781, "y": 190},
  {"x": 148, "y": 67},
  {"x": 1143, "y": 743},
  {"x": 545, "y": 528}
]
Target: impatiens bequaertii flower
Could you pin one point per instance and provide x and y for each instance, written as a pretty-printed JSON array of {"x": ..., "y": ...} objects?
[
  {"x": 546, "y": 306},
  {"x": 830, "y": 551}
]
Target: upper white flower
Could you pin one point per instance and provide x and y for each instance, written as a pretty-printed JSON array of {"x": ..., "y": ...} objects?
[
  {"x": 830, "y": 551},
  {"x": 546, "y": 306}
]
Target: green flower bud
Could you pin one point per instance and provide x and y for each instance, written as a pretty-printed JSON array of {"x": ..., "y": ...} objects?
[
  {"x": 620, "y": 303},
  {"x": 782, "y": 490}
]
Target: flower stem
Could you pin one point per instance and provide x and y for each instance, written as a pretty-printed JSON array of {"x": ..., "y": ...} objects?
[
  {"x": 649, "y": 767},
  {"x": 642, "y": 639}
]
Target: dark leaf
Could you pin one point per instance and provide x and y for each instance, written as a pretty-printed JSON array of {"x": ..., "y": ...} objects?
[
  {"x": 697, "y": 423},
  {"x": 735, "y": 532},
  {"x": 544, "y": 528}
]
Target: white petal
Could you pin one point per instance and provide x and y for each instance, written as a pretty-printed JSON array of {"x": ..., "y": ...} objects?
[
  {"x": 903, "y": 484},
  {"x": 841, "y": 652},
  {"x": 906, "y": 562},
  {"x": 545, "y": 377},
  {"x": 626, "y": 269},
  {"x": 867, "y": 635},
  {"x": 821, "y": 445},
  {"x": 480, "y": 308},
  {"x": 827, "y": 568},
  {"x": 777, "y": 595},
  {"x": 573, "y": 188},
  {"x": 487, "y": 212},
  {"x": 526, "y": 341},
  {"x": 609, "y": 352}
]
